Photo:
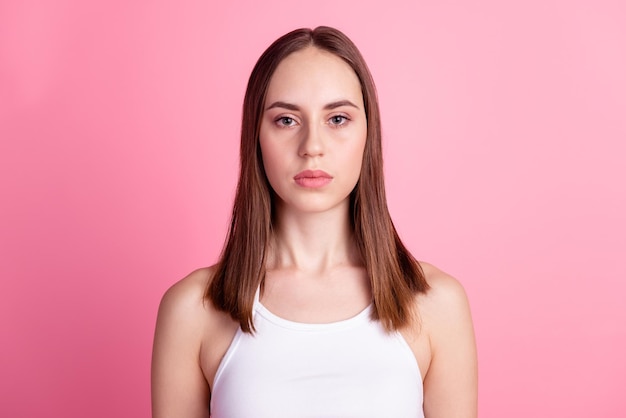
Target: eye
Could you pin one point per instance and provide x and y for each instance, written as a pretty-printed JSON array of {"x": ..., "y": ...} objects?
[
  {"x": 285, "y": 121},
  {"x": 338, "y": 120}
]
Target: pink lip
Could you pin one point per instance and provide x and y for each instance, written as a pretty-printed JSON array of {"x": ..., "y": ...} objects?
[{"x": 312, "y": 178}]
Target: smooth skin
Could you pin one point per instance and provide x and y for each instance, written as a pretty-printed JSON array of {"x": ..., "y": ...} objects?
[{"x": 314, "y": 119}]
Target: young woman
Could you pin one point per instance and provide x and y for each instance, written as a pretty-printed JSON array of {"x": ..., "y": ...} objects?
[{"x": 315, "y": 308}]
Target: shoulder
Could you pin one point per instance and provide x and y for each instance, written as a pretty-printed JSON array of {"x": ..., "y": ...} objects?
[
  {"x": 450, "y": 383},
  {"x": 184, "y": 322},
  {"x": 190, "y": 289},
  {"x": 187, "y": 316},
  {"x": 176, "y": 348},
  {"x": 444, "y": 310},
  {"x": 184, "y": 315},
  {"x": 446, "y": 295},
  {"x": 186, "y": 297}
]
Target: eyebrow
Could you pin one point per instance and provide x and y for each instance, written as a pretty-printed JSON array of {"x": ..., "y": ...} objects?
[{"x": 329, "y": 106}]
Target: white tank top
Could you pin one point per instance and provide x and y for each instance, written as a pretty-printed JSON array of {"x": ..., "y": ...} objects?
[{"x": 350, "y": 368}]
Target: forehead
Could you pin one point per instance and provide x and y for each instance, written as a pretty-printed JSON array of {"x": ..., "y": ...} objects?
[{"x": 311, "y": 75}]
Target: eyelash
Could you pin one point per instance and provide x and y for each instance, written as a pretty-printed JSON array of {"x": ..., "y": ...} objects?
[
  {"x": 281, "y": 121},
  {"x": 344, "y": 120}
]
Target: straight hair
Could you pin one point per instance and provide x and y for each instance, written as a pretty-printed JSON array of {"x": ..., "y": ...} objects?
[{"x": 395, "y": 276}]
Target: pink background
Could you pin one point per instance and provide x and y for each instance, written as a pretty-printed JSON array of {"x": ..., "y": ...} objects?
[{"x": 505, "y": 130}]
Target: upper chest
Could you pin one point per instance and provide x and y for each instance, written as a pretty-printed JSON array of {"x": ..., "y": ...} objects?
[{"x": 351, "y": 367}]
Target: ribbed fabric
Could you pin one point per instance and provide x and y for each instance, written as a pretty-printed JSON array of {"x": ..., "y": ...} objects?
[{"x": 350, "y": 368}]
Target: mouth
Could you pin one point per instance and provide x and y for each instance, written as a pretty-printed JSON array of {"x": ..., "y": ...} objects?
[{"x": 312, "y": 179}]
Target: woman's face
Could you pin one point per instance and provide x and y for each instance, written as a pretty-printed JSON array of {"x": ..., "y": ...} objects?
[{"x": 313, "y": 131}]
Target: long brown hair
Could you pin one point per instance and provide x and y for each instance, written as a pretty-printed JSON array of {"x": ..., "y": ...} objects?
[{"x": 395, "y": 276}]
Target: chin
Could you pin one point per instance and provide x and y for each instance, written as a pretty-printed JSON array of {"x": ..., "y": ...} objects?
[{"x": 315, "y": 204}]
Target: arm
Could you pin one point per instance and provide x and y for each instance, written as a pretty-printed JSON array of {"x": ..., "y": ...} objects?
[
  {"x": 179, "y": 388},
  {"x": 451, "y": 383}
]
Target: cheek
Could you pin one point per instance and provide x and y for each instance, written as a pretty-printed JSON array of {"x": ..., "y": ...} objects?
[
  {"x": 268, "y": 160},
  {"x": 356, "y": 151}
]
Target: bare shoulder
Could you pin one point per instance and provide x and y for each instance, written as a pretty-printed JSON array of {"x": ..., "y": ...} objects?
[
  {"x": 183, "y": 304},
  {"x": 450, "y": 383},
  {"x": 183, "y": 312},
  {"x": 185, "y": 309},
  {"x": 445, "y": 298},
  {"x": 187, "y": 295},
  {"x": 188, "y": 329}
]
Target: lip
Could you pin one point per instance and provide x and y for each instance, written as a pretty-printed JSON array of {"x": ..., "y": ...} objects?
[{"x": 312, "y": 179}]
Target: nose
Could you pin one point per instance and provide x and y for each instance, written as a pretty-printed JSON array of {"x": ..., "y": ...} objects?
[{"x": 312, "y": 142}]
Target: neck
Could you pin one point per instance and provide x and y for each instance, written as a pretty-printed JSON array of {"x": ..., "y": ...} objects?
[{"x": 313, "y": 241}]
